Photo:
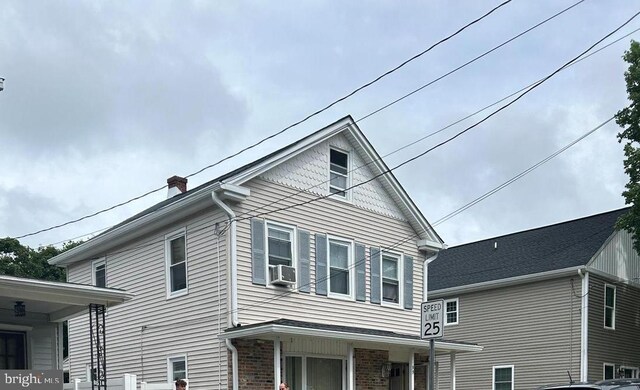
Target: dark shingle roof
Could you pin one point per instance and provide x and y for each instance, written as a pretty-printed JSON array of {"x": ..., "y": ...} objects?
[{"x": 548, "y": 248}]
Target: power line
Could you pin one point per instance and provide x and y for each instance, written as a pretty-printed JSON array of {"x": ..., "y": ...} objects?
[
  {"x": 537, "y": 84},
  {"x": 428, "y": 135},
  {"x": 284, "y": 129}
]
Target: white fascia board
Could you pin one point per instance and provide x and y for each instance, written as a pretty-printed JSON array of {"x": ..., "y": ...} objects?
[
  {"x": 446, "y": 292},
  {"x": 136, "y": 228},
  {"x": 292, "y": 152},
  {"x": 380, "y": 166},
  {"x": 348, "y": 336},
  {"x": 62, "y": 292}
]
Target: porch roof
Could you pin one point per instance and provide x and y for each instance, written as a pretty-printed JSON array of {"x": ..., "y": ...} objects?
[
  {"x": 282, "y": 327},
  {"x": 55, "y": 301}
]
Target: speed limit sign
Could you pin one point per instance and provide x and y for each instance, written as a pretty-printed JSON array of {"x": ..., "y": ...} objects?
[{"x": 432, "y": 314}]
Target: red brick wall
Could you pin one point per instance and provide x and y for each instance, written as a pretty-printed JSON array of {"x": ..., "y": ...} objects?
[
  {"x": 255, "y": 365},
  {"x": 368, "y": 369}
]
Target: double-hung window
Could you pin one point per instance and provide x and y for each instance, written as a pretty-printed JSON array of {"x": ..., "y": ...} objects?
[
  {"x": 338, "y": 173},
  {"x": 176, "y": 368},
  {"x": 391, "y": 280},
  {"x": 609, "y": 306},
  {"x": 451, "y": 311},
  {"x": 176, "y": 263},
  {"x": 99, "y": 273},
  {"x": 340, "y": 267},
  {"x": 503, "y": 378},
  {"x": 280, "y": 245}
]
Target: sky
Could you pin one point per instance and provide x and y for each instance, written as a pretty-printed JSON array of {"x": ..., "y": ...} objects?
[{"x": 103, "y": 101}]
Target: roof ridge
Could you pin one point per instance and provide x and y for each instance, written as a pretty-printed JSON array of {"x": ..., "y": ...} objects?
[{"x": 541, "y": 227}]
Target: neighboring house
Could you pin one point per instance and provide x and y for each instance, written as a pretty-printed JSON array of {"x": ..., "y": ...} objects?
[
  {"x": 544, "y": 303},
  {"x": 31, "y": 316},
  {"x": 305, "y": 265}
]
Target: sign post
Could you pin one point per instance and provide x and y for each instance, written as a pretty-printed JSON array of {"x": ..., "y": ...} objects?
[{"x": 431, "y": 328}]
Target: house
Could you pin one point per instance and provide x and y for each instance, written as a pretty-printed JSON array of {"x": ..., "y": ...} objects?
[
  {"x": 32, "y": 313},
  {"x": 548, "y": 305},
  {"x": 305, "y": 265}
]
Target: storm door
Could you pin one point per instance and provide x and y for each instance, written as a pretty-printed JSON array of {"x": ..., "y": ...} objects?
[{"x": 398, "y": 377}]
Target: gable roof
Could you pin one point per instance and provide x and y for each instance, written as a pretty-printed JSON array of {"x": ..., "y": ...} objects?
[
  {"x": 178, "y": 206},
  {"x": 542, "y": 250}
]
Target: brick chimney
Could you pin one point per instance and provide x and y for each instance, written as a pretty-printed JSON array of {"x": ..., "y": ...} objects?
[{"x": 176, "y": 185}]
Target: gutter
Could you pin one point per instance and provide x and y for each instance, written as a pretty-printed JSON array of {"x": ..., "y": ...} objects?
[
  {"x": 233, "y": 192},
  {"x": 505, "y": 282}
]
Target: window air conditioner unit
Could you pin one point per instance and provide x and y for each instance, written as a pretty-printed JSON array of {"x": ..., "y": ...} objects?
[{"x": 282, "y": 275}]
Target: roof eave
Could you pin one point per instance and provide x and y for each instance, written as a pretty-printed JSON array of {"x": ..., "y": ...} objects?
[
  {"x": 530, "y": 278},
  {"x": 350, "y": 336}
]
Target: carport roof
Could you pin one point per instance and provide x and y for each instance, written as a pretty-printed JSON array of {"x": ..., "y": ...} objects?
[
  {"x": 281, "y": 327},
  {"x": 56, "y": 300}
]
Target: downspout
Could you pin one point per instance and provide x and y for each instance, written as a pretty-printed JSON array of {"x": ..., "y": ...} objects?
[
  {"x": 584, "y": 326},
  {"x": 233, "y": 266},
  {"x": 425, "y": 274}
]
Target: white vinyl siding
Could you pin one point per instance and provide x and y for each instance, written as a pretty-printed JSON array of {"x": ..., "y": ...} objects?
[
  {"x": 609, "y": 306},
  {"x": 338, "y": 220},
  {"x": 451, "y": 307},
  {"x": 143, "y": 332},
  {"x": 501, "y": 321}
]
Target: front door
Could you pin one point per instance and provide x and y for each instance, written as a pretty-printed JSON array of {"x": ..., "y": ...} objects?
[
  {"x": 12, "y": 351},
  {"x": 398, "y": 376}
]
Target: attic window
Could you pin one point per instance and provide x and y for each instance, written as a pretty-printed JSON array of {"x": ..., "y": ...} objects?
[{"x": 338, "y": 173}]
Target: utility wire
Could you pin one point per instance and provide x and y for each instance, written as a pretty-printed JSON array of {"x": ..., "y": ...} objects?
[
  {"x": 495, "y": 112},
  {"x": 435, "y": 132},
  {"x": 422, "y": 138},
  {"x": 284, "y": 129}
]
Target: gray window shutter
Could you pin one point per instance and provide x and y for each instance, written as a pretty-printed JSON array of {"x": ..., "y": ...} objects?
[
  {"x": 360, "y": 263},
  {"x": 258, "y": 258},
  {"x": 321, "y": 264},
  {"x": 303, "y": 261},
  {"x": 376, "y": 258},
  {"x": 408, "y": 282}
]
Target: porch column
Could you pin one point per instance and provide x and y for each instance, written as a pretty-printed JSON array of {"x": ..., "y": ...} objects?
[
  {"x": 276, "y": 363},
  {"x": 412, "y": 362},
  {"x": 452, "y": 356},
  {"x": 351, "y": 369}
]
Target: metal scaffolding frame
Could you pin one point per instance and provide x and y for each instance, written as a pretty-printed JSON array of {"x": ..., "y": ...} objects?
[{"x": 98, "y": 347}]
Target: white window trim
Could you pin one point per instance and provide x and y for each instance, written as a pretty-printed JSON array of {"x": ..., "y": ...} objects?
[
  {"x": 304, "y": 357},
  {"x": 294, "y": 251},
  {"x": 615, "y": 298},
  {"x": 347, "y": 198},
  {"x": 175, "y": 358},
  {"x": 457, "y": 301},
  {"x": 604, "y": 370},
  {"x": 94, "y": 266},
  {"x": 350, "y": 267},
  {"x": 400, "y": 258},
  {"x": 493, "y": 376},
  {"x": 167, "y": 260}
]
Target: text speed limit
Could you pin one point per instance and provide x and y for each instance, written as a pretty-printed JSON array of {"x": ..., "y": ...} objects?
[{"x": 432, "y": 314}]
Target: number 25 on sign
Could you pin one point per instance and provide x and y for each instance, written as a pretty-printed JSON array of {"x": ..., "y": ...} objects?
[{"x": 432, "y": 315}]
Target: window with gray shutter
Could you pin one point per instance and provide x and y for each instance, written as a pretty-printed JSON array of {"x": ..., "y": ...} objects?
[
  {"x": 303, "y": 261},
  {"x": 321, "y": 264},
  {"x": 258, "y": 263},
  {"x": 375, "y": 274}
]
